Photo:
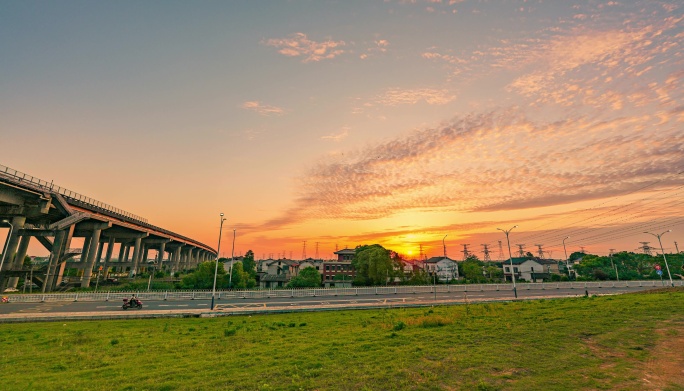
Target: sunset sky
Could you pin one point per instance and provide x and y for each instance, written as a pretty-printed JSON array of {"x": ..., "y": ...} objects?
[{"x": 357, "y": 122}]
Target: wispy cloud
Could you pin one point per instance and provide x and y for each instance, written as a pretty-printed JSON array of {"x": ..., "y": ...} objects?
[
  {"x": 339, "y": 136},
  {"x": 379, "y": 46},
  {"x": 399, "y": 96},
  {"x": 299, "y": 45},
  {"x": 262, "y": 109}
]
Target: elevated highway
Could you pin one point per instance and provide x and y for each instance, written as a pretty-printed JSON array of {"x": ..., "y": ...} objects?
[{"x": 53, "y": 215}]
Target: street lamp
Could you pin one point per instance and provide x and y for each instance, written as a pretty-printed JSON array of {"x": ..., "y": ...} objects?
[
  {"x": 510, "y": 256},
  {"x": 4, "y": 251},
  {"x": 567, "y": 265},
  {"x": 232, "y": 260},
  {"x": 663, "y": 251},
  {"x": 218, "y": 251}
]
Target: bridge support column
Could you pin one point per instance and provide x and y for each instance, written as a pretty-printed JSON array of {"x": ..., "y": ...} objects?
[
  {"x": 145, "y": 255},
  {"x": 160, "y": 256},
  {"x": 18, "y": 263},
  {"x": 12, "y": 243},
  {"x": 136, "y": 255},
  {"x": 94, "y": 243},
  {"x": 55, "y": 257},
  {"x": 108, "y": 256},
  {"x": 177, "y": 258},
  {"x": 100, "y": 247}
]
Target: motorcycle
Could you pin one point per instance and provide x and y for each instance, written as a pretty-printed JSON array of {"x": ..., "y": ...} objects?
[{"x": 132, "y": 303}]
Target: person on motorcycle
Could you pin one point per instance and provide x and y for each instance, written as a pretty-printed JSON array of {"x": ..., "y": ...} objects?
[{"x": 133, "y": 301}]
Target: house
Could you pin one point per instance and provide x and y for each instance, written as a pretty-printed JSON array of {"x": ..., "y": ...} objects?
[
  {"x": 445, "y": 268},
  {"x": 527, "y": 269},
  {"x": 337, "y": 273},
  {"x": 346, "y": 254},
  {"x": 276, "y": 273}
]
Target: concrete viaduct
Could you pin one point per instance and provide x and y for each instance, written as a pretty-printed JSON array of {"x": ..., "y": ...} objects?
[{"x": 53, "y": 216}]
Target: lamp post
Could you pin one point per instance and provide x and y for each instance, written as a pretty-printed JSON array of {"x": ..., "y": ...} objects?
[
  {"x": 663, "y": 251},
  {"x": 232, "y": 260},
  {"x": 510, "y": 256},
  {"x": 4, "y": 251},
  {"x": 218, "y": 251},
  {"x": 567, "y": 265}
]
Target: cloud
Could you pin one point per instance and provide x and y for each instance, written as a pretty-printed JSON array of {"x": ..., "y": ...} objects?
[
  {"x": 398, "y": 96},
  {"x": 379, "y": 46},
  {"x": 262, "y": 109},
  {"x": 489, "y": 162},
  {"x": 299, "y": 45},
  {"x": 341, "y": 135}
]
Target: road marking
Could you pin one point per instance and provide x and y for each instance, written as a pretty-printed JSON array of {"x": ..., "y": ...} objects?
[
  {"x": 108, "y": 306},
  {"x": 174, "y": 305}
]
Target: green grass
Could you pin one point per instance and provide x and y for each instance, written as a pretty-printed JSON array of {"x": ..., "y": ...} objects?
[{"x": 569, "y": 344}]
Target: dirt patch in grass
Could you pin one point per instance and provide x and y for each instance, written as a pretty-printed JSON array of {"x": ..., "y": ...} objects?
[{"x": 665, "y": 369}]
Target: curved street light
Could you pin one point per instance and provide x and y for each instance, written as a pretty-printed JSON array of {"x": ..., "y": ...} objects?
[
  {"x": 218, "y": 252},
  {"x": 567, "y": 265},
  {"x": 510, "y": 257},
  {"x": 663, "y": 251}
]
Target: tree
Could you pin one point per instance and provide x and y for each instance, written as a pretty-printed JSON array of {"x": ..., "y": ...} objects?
[
  {"x": 203, "y": 276},
  {"x": 373, "y": 265},
  {"x": 308, "y": 277},
  {"x": 248, "y": 264},
  {"x": 471, "y": 270},
  {"x": 241, "y": 279}
]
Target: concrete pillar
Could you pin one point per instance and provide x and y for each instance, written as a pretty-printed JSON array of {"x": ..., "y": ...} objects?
[
  {"x": 128, "y": 249},
  {"x": 145, "y": 256},
  {"x": 122, "y": 250},
  {"x": 160, "y": 256},
  {"x": 176, "y": 259},
  {"x": 86, "y": 248},
  {"x": 90, "y": 260},
  {"x": 136, "y": 255},
  {"x": 12, "y": 243},
  {"x": 18, "y": 263},
  {"x": 108, "y": 256},
  {"x": 55, "y": 257},
  {"x": 100, "y": 247}
]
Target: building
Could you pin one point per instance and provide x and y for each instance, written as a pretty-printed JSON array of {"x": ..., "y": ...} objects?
[
  {"x": 337, "y": 273},
  {"x": 346, "y": 254},
  {"x": 445, "y": 268},
  {"x": 531, "y": 269},
  {"x": 276, "y": 273}
]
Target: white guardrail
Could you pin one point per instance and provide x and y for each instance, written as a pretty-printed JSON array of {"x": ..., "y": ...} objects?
[{"x": 324, "y": 292}]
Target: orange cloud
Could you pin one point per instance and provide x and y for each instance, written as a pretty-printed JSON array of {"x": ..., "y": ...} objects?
[
  {"x": 298, "y": 44},
  {"x": 262, "y": 109}
]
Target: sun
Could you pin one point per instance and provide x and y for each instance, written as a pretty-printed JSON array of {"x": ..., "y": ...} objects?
[{"x": 409, "y": 252}]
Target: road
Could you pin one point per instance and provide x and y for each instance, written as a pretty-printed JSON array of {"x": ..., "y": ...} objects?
[{"x": 249, "y": 305}]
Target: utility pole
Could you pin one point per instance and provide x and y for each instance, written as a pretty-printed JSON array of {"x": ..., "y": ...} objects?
[
  {"x": 485, "y": 251},
  {"x": 612, "y": 251},
  {"x": 316, "y": 250},
  {"x": 465, "y": 251},
  {"x": 501, "y": 254},
  {"x": 515, "y": 291},
  {"x": 304, "y": 251},
  {"x": 521, "y": 250},
  {"x": 646, "y": 248},
  {"x": 677, "y": 247}
]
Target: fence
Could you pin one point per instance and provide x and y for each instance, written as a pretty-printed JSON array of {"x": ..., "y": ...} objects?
[{"x": 325, "y": 292}]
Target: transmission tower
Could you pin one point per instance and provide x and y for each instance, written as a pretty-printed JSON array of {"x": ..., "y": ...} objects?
[
  {"x": 582, "y": 250},
  {"x": 501, "y": 256},
  {"x": 304, "y": 251},
  {"x": 420, "y": 254},
  {"x": 646, "y": 248},
  {"x": 485, "y": 251},
  {"x": 540, "y": 251},
  {"x": 316, "y": 250},
  {"x": 521, "y": 250},
  {"x": 677, "y": 247},
  {"x": 611, "y": 252},
  {"x": 290, "y": 254},
  {"x": 465, "y": 251},
  {"x": 336, "y": 250}
]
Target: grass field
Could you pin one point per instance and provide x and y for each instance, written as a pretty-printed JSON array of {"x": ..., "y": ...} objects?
[{"x": 629, "y": 342}]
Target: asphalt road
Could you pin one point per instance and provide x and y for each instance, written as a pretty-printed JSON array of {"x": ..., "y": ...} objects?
[{"x": 302, "y": 302}]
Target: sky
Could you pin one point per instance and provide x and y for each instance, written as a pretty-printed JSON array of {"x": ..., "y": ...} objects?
[{"x": 419, "y": 125}]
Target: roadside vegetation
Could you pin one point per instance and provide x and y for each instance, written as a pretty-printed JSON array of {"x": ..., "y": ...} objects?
[{"x": 626, "y": 342}]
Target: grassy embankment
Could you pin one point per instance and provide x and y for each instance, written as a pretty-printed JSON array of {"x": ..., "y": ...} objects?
[{"x": 569, "y": 344}]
